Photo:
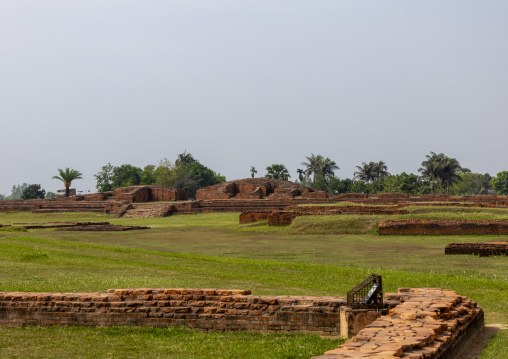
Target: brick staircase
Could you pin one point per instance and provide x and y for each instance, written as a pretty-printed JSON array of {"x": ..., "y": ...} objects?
[{"x": 151, "y": 210}]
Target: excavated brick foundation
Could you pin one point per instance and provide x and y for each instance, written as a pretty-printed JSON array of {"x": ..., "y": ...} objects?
[
  {"x": 202, "y": 309},
  {"x": 78, "y": 226},
  {"x": 484, "y": 249},
  {"x": 442, "y": 227},
  {"x": 236, "y": 196},
  {"x": 427, "y": 322},
  {"x": 431, "y": 323},
  {"x": 286, "y": 217}
]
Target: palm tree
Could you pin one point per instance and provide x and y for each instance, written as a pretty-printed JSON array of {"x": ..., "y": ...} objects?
[
  {"x": 301, "y": 174},
  {"x": 429, "y": 166},
  {"x": 67, "y": 177},
  {"x": 328, "y": 167},
  {"x": 185, "y": 158},
  {"x": 381, "y": 170},
  {"x": 448, "y": 172},
  {"x": 320, "y": 166},
  {"x": 366, "y": 172},
  {"x": 442, "y": 168},
  {"x": 313, "y": 165}
]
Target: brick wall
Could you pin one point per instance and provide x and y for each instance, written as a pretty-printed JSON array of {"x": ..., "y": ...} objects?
[
  {"x": 315, "y": 195},
  {"x": 254, "y": 195},
  {"x": 202, "y": 309},
  {"x": 281, "y": 218},
  {"x": 250, "y": 217},
  {"x": 392, "y": 195},
  {"x": 346, "y": 196},
  {"x": 250, "y": 185},
  {"x": 482, "y": 249},
  {"x": 280, "y": 195},
  {"x": 286, "y": 217},
  {"x": 427, "y": 323},
  {"x": 149, "y": 193},
  {"x": 442, "y": 227},
  {"x": 431, "y": 323},
  {"x": 161, "y": 193}
]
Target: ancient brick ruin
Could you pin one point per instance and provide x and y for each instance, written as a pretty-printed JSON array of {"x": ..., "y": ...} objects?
[
  {"x": 202, "y": 309},
  {"x": 286, "y": 216},
  {"x": 250, "y": 194},
  {"x": 442, "y": 227},
  {"x": 430, "y": 323},
  {"x": 77, "y": 226},
  {"x": 147, "y": 193},
  {"x": 258, "y": 188},
  {"x": 483, "y": 249},
  {"x": 107, "y": 202},
  {"x": 422, "y": 323}
]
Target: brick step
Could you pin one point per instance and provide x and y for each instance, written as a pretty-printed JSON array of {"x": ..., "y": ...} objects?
[{"x": 144, "y": 211}]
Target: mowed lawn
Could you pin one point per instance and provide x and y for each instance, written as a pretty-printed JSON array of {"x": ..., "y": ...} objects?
[{"x": 325, "y": 255}]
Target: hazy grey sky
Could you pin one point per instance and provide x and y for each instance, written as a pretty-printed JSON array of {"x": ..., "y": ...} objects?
[{"x": 249, "y": 83}]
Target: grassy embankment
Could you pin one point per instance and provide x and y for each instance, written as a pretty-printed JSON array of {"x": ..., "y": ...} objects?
[{"x": 324, "y": 255}]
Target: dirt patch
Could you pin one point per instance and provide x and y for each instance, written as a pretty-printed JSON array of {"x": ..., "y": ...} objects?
[{"x": 474, "y": 350}]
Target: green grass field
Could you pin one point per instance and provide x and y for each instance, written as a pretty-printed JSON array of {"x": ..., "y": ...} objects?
[{"x": 325, "y": 255}]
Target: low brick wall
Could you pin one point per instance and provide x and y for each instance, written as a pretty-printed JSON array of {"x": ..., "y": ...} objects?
[
  {"x": 315, "y": 195},
  {"x": 202, "y": 309},
  {"x": 279, "y": 196},
  {"x": 258, "y": 195},
  {"x": 286, "y": 217},
  {"x": 324, "y": 210},
  {"x": 225, "y": 200},
  {"x": 442, "y": 227},
  {"x": 394, "y": 195},
  {"x": 281, "y": 218},
  {"x": 250, "y": 217},
  {"x": 482, "y": 249},
  {"x": 431, "y": 323}
]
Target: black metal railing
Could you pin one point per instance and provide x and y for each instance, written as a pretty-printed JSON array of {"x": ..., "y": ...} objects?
[{"x": 367, "y": 295}]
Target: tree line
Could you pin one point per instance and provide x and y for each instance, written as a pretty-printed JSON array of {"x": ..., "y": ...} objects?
[{"x": 438, "y": 174}]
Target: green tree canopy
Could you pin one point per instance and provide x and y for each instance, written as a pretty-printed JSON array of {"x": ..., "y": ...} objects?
[
  {"x": 403, "y": 182},
  {"x": 472, "y": 184},
  {"x": 148, "y": 175},
  {"x": 500, "y": 183},
  {"x": 277, "y": 171},
  {"x": 104, "y": 178},
  {"x": 67, "y": 177},
  {"x": 186, "y": 173},
  {"x": 33, "y": 191},
  {"x": 126, "y": 175}
]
